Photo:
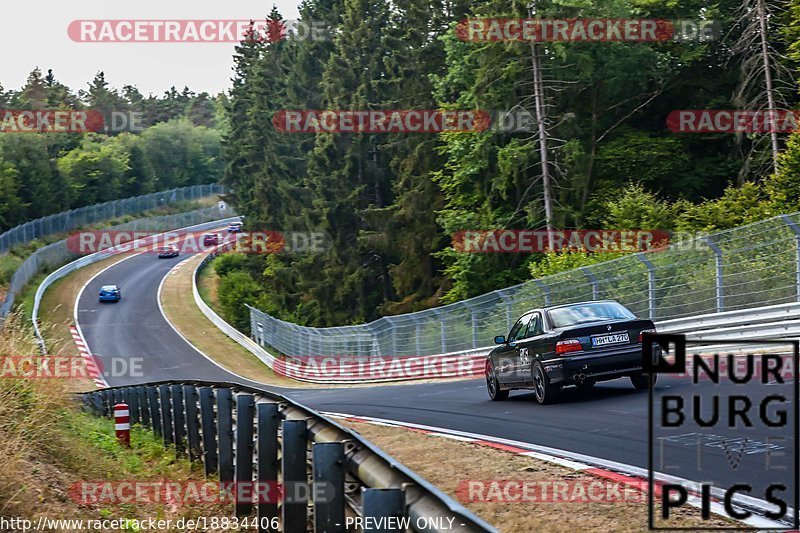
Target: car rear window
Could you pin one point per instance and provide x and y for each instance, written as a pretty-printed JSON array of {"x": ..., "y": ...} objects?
[{"x": 588, "y": 312}]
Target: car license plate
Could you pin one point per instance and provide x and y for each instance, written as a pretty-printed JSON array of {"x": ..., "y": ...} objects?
[{"x": 605, "y": 340}]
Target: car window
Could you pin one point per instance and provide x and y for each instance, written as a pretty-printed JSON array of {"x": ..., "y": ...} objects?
[
  {"x": 588, "y": 312},
  {"x": 534, "y": 326},
  {"x": 518, "y": 331}
]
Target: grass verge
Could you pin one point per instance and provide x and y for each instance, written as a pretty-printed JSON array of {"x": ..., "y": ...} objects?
[
  {"x": 446, "y": 463},
  {"x": 48, "y": 445}
]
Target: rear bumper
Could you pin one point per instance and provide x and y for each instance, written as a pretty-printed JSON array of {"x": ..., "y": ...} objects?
[
  {"x": 109, "y": 298},
  {"x": 598, "y": 367}
]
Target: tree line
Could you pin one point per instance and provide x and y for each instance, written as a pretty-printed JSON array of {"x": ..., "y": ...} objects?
[
  {"x": 602, "y": 158},
  {"x": 176, "y": 142}
]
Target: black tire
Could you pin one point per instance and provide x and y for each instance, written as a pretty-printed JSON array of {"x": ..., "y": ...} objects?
[
  {"x": 493, "y": 386},
  {"x": 640, "y": 381},
  {"x": 586, "y": 384},
  {"x": 543, "y": 390}
]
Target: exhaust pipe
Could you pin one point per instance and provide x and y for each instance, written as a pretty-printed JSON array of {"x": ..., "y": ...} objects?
[{"x": 579, "y": 378}]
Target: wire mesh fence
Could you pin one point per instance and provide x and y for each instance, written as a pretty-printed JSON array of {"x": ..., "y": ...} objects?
[
  {"x": 69, "y": 220},
  {"x": 750, "y": 266},
  {"x": 59, "y": 253}
]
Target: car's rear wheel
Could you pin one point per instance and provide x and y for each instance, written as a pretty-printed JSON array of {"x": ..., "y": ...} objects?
[
  {"x": 640, "y": 381},
  {"x": 493, "y": 386},
  {"x": 543, "y": 390}
]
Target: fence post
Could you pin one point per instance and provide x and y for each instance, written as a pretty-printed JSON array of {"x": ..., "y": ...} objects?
[
  {"x": 244, "y": 453},
  {"x": 442, "y": 319},
  {"x": 155, "y": 412},
  {"x": 593, "y": 281},
  {"x": 293, "y": 466},
  {"x": 509, "y": 311},
  {"x": 383, "y": 503},
  {"x": 796, "y": 230},
  {"x": 267, "y": 461},
  {"x": 417, "y": 331},
  {"x": 719, "y": 279},
  {"x": 143, "y": 409},
  {"x": 108, "y": 401},
  {"x": 209, "y": 428},
  {"x": 178, "y": 416},
  {"x": 328, "y": 476},
  {"x": 225, "y": 434},
  {"x": 545, "y": 290},
  {"x": 192, "y": 426},
  {"x": 166, "y": 414},
  {"x": 473, "y": 322},
  {"x": 133, "y": 403},
  {"x": 651, "y": 285}
]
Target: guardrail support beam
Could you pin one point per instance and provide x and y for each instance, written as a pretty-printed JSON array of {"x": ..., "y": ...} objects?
[
  {"x": 267, "y": 445},
  {"x": 651, "y": 285},
  {"x": 155, "y": 412},
  {"x": 209, "y": 428},
  {"x": 166, "y": 414},
  {"x": 593, "y": 282},
  {"x": 225, "y": 434},
  {"x": 718, "y": 278},
  {"x": 245, "y": 404},
  {"x": 295, "y": 478},
  {"x": 383, "y": 503},
  {"x": 328, "y": 487},
  {"x": 178, "y": 415},
  {"x": 192, "y": 425}
]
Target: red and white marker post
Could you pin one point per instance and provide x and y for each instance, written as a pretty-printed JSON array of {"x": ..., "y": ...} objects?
[{"x": 122, "y": 424}]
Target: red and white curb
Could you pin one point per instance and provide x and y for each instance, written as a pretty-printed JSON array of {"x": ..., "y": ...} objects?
[
  {"x": 88, "y": 358},
  {"x": 611, "y": 470}
]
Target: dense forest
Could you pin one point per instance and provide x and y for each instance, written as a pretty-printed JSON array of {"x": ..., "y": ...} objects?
[
  {"x": 174, "y": 142},
  {"x": 603, "y": 158}
]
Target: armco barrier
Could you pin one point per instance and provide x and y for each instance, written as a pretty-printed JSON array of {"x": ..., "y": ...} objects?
[
  {"x": 211, "y": 212},
  {"x": 339, "y": 369},
  {"x": 246, "y": 436}
]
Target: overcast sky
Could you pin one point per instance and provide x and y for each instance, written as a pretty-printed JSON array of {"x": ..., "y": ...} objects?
[{"x": 35, "y": 34}]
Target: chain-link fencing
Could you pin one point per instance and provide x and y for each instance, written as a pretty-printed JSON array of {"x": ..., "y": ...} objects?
[
  {"x": 750, "y": 266},
  {"x": 59, "y": 253},
  {"x": 69, "y": 220}
]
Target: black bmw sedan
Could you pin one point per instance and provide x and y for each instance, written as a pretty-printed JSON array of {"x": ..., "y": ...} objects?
[{"x": 576, "y": 344}]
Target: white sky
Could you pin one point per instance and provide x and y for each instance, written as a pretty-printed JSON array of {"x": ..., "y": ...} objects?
[{"x": 39, "y": 38}]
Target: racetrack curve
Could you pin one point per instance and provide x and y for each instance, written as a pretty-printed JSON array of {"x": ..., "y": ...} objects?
[{"x": 609, "y": 421}]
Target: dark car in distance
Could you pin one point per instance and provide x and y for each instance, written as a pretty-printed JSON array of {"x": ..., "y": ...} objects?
[{"x": 576, "y": 344}]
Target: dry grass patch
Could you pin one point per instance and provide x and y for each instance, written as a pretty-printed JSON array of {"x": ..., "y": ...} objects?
[{"x": 446, "y": 463}]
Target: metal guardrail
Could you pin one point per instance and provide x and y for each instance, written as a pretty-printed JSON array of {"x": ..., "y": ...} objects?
[
  {"x": 69, "y": 220},
  {"x": 166, "y": 223},
  {"x": 247, "y": 436},
  {"x": 747, "y": 267}
]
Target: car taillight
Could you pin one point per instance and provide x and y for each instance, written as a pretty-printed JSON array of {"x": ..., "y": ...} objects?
[
  {"x": 645, "y": 331},
  {"x": 567, "y": 346}
]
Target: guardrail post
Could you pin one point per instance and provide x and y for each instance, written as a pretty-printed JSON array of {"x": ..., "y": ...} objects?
[
  {"x": 442, "y": 319},
  {"x": 209, "y": 427},
  {"x": 295, "y": 479},
  {"x": 509, "y": 311},
  {"x": 225, "y": 434},
  {"x": 155, "y": 412},
  {"x": 107, "y": 399},
  {"x": 417, "y": 332},
  {"x": 545, "y": 290},
  {"x": 267, "y": 459},
  {"x": 144, "y": 411},
  {"x": 244, "y": 453},
  {"x": 383, "y": 503},
  {"x": 719, "y": 280},
  {"x": 178, "y": 415},
  {"x": 133, "y": 404},
  {"x": 593, "y": 281},
  {"x": 651, "y": 285},
  {"x": 166, "y": 414},
  {"x": 328, "y": 487},
  {"x": 473, "y": 322},
  {"x": 192, "y": 426},
  {"x": 796, "y": 230}
]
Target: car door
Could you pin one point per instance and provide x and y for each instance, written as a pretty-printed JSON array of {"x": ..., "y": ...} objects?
[
  {"x": 506, "y": 355},
  {"x": 527, "y": 347}
]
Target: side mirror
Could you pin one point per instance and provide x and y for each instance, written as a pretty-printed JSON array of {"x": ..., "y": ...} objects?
[{"x": 500, "y": 339}]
